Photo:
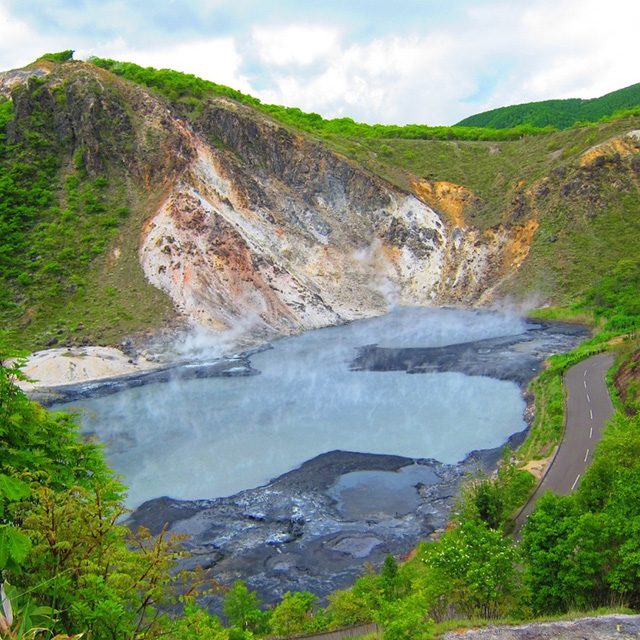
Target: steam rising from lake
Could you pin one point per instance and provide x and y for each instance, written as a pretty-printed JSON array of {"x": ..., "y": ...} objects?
[{"x": 205, "y": 438}]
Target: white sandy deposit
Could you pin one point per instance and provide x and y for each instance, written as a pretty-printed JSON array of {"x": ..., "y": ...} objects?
[{"x": 55, "y": 367}]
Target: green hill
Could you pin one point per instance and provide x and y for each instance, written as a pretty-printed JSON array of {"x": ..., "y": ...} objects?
[
  {"x": 560, "y": 114},
  {"x": 87, "y": 156}
]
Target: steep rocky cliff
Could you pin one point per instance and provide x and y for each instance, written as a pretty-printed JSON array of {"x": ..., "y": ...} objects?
[
  {"x": 243, "y": 222},
  {"x": 273, "y": 229}
]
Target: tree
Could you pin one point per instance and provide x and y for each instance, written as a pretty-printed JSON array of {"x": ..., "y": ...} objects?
[
  {"x": 493, "y": 500},
  {"x": 481, "y": 567},
  {"x": 294, "y": 614},
  {"x": 406, "y": 618},
  {"x": 242, "y": 608},
  {"x": 555, "y": 541},
  {"x": 348, "y": 608},
  {"x": 60, "y": 534},
  {"x": 622, "y": 515},
  {"x": 61, "y": 56},
  {"x": 388, "y": 580}
]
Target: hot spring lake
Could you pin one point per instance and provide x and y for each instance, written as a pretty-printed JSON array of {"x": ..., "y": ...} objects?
[{"x": 207, "y": 438}]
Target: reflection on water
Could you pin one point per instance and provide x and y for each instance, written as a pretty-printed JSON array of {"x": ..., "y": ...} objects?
[
  {"x": 213, "y": 437},
  {"x": 362, "y": 494}
]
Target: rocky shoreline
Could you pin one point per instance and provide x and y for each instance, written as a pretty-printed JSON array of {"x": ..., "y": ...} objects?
[
  {"x": 516, "y": 358},
  {"x": 49, "y": 394},
  {"x": 317, "y": 527}
]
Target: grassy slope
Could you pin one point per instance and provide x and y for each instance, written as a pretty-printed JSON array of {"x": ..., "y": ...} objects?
[
  {"x": 65, "y": 284},
  {"x": 577, "y": 242}
]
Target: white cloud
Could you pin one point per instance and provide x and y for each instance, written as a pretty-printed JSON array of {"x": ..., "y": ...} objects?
[
  {"x": 587, "y": 48},
  {"x": 19, "y": 44},
  {"x": 434, "y": 71},
  {"x": 295, "y": 44},
  {"x": 386, "y": 80},
  {"x": 216, "y": 59}
]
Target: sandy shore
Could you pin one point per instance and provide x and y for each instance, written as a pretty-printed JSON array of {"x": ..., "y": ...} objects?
[{"x": 54, "y": 367}]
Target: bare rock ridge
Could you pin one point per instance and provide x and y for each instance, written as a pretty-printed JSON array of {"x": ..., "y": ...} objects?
[
  {"x": 609, "y": 627},
  {"x": 251, "y": 225}
]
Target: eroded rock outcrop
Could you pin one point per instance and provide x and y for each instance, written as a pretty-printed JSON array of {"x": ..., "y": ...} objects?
[
  {"x": 272, "y": 229},
  {"x": 245, "y": 223},
  {"x": 283, "y": 247}
]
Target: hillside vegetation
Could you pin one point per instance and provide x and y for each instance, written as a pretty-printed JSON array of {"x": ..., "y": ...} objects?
[
  {"x": 560, "y": 114},
  {"x": 66, "y": 205},
  {"x": 578, "y": 188},
  {"x": 69, "y": 199},
  {"x": 190, "y": 90},
  {"x": 73, "y": 204}
]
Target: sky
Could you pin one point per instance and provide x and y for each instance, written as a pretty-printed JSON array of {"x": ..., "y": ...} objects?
[{"x": 377, "y": 61}]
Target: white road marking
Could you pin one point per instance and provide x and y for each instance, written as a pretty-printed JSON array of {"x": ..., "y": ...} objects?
[
  {"x": 591, "y": 432},
  {"x": 575, "y": 483},
  {"x": 588, "y": 398},
  {"x": 586, "y": 455},
  {"x": 585, "y": 384},
  {"x": 585, "y": 373},
  {"x": 591, "y": 413}
]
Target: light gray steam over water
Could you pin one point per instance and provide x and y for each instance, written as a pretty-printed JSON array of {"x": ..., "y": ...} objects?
[{"x": 205, "y": 438}]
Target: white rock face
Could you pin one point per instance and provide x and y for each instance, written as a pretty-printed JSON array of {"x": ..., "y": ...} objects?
[
  {"x": 224, "y": 260},
  {"x": 273, "y": 233}
]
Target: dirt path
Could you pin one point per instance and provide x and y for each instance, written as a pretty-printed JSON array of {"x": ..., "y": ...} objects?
[{"x": 588, "y": 410}]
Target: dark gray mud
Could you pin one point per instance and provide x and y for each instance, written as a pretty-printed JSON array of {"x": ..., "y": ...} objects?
[
  {"x": 516, "y": 358},
  {"x": 316, "y": 527}
]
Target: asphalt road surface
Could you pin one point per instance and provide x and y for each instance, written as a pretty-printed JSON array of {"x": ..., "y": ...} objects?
[{"x": 588, "y": 410}]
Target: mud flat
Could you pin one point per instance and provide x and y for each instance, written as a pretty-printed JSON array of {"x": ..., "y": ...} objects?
[{"x": 316, "y": 527}]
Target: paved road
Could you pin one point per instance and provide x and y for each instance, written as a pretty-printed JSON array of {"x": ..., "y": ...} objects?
[{"x": 588, "y": 410}]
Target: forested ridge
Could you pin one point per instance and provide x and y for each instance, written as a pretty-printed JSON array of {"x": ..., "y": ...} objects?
[
  {"x": 559, "y": 114},
  {"x": 191, "y": 91},
  {"x": 69, "y": 566}
]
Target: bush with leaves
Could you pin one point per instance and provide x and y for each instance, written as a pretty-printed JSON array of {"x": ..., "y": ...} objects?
[
  {"x": 479, "y": 565},
  {"x": 493, "y": 500},
  {"x": 242, "y": 608},
  {"x": 60, "y": 537},
  {"x": 294, "y": 615}
]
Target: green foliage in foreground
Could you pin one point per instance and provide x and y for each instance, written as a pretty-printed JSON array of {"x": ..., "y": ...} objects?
[
  {"x": 191, "y": 90},
  {"x": 73, "y": 567},
  {"x": 582, "y": 550},
  {"x": 63, "y": 551},
  {"x": 494, "y": 500},
  {"x": 62, "y": 548},
  {"x": 558, "y": 113}
]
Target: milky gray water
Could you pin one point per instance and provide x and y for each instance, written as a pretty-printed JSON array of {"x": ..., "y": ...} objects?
[{"x": 206, "y": 438}]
